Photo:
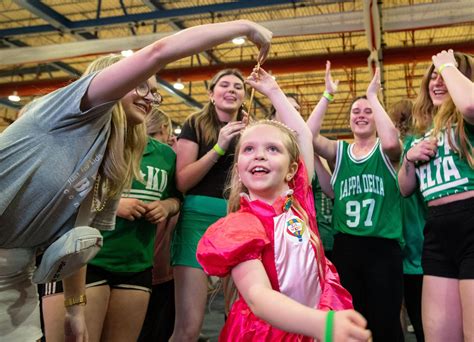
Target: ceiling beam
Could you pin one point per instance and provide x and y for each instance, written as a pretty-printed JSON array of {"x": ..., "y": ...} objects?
[
  {"x": 52, "y": 17},
  {"x": 149, "y": 16},
  {"x": 412, "y": 17},
  {"x": 300, "y": 64}
]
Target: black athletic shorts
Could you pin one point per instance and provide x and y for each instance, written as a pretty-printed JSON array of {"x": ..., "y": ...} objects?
[
  {"x": 97, "y": 276},
  {"x": 448, "y": 249}
]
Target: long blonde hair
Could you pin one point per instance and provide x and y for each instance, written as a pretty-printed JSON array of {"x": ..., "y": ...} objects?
[
  {"x": 235, "y": 187},
  {"x": 446, "y": 115},
  {"x": 207, "y": 123},
  {"x": 155, "y": 120},
  {"x": 121, "y": 163}
]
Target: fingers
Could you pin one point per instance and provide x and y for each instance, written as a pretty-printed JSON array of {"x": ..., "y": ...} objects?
[{"x": 262, "y": 55}]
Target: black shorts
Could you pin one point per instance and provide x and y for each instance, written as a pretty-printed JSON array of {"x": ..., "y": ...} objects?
[
  {"x": 448, "y": 249},
  {"x": 97, "y": 276}
]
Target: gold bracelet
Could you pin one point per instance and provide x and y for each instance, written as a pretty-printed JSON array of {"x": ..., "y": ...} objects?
[{"x": 79, "y": 300}]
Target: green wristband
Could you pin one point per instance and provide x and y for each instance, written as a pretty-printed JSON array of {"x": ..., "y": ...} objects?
[
  {"x": 219, "y": 150},
  {"x": 328, "y": 96},
  {"x": 329, "y": 326},
  {"x": 445, "y": 65}
]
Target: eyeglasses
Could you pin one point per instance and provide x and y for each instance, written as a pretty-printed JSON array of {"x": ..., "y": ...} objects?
[{"x": 143, "y": 90}]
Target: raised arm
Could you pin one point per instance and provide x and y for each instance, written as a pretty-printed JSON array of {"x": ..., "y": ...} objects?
[
  {"x": 386, "y": 130},
  {"x": 324, "y": 177},
  {"x": 115, "y": 81},
  {"x": 265, "y": 84},
  {"x": 286, "y": 314},
  {"x": 461, "y": 89},
  {"x": 323, "y": 146}
]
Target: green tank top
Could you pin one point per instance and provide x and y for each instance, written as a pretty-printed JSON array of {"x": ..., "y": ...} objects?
[
  {"x": 366, "y": 195},
  {"x": 446, "y": 173}
]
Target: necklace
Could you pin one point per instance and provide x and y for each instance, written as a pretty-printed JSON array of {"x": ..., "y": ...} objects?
[{"x": 98, "y": 206}]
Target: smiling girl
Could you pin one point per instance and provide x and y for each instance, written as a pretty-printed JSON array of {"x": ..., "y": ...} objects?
[
  {"x": 269, "y": 242},
  {"x": 366, "y": 213}
]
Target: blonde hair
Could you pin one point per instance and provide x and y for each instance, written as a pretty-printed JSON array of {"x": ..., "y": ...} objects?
[
  {"x": 446, "y": 115},
  {"x": 121, "y": 163},
  {"x": 155, "y": 120},
  {"x": 235, "y": 187},
  {"x": 207, "y": 123}
]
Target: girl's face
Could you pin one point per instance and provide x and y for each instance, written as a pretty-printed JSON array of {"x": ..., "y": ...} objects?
[
  {"x": 437, "y": 89},
  {"x": 362, "y": 119},
  {"x": 264, "y": 163},
  {"x": 228, "y": 94},
  {"x": 136, "y": 107}
]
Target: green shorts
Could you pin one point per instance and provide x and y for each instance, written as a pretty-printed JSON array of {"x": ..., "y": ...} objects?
[{"x": 197, "y": 214}]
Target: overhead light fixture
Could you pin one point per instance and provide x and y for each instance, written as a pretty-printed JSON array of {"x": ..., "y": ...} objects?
[
  {"x": 14, "y": 97},
  {"x": 238, "y": 40},
  {"x": 177, "y": 130},
  {"x": 127, "y": 53},
  {"x": 178, "y": 85}
]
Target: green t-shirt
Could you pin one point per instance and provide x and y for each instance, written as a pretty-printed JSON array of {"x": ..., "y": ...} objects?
[
  {"x": 129, "y": 248},
  {"x": 413, "y": 215},
  {"x": 446, "y": 173},
  {"x": 323, "y": 205},
  {"x": 366, "y": 195}
]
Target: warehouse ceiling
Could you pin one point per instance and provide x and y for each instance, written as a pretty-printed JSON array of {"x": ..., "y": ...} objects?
[{"x": 45, "y": 44}]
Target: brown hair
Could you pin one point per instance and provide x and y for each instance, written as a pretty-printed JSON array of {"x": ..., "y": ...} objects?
[
  {"x": 446, "y": 115},
  {"x": 401, "y": 114},
  {"x": 207, "y": 123}
]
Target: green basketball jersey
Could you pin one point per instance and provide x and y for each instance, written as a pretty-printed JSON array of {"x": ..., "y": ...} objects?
[
  {"x": 366, "y": 195},
  {"x": 446, "y": 173}
]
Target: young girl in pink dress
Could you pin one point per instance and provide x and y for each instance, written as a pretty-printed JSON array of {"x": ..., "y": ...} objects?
[{"x": 269, "y": 242}]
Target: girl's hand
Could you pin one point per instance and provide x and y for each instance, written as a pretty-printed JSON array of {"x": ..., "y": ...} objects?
[
  {"x": 331, "y": 86},
  {"x": 261, "y": 37},
  {"x": 349, "y": 325},
  {"x": 75, "y": 329},
  {"x": 444, "y": 57},
  {"x": 228, "y": 132},
  {"x": 131, "y": 208},
  {"x": 157, "y": 212},
  {"x": 374, "y": 85},
  {"x": 423, "y": 151},
  {"x": 262, "y": 81}
]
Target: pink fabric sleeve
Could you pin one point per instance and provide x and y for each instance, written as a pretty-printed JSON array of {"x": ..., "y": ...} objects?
[{"x": 236, "y": 238}]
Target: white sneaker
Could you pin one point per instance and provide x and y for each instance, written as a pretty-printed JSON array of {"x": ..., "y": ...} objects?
[{"x": 67, "y": 254}]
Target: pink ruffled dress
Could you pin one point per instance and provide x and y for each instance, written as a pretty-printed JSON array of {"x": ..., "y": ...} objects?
[{"x": 281, "y": 240}]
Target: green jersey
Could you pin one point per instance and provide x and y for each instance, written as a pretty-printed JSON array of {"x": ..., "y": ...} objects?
[
  {"x": 446, "y": 173},
  {"x": 129, "y": 248},
  {"x": 366, "y": 195},
  {"x": 323, "y": 206},
  {"x": 414, "y": 212}
]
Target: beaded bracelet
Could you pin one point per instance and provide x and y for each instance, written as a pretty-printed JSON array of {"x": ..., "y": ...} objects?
[
  {"x": 79, "y": 300},
  {"x": 328, "y": 96},
  {"x": 329, "y": 326},
  {"x": 445, "y": 65},
  {"x": 219, "y": 150}
]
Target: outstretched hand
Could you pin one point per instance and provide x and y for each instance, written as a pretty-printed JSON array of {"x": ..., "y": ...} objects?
[
  {"x": 374, "y": 85},
  {"x": 262, "y": 81},
  {"x": 331, "y": 85},
  {"x": 444, "y": 57},
  {"x": 261, "y": 37}
]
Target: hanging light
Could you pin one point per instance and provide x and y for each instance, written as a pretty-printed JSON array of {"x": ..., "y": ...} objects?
[
  {"x": 127, "y": 53},
  {"x": 238, "y": 40},
  {"x": 178, "y": 85},
  {"x": 14, "y": 97},
  {"x": 177, "y": 130}
]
